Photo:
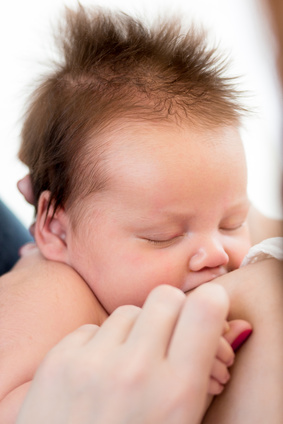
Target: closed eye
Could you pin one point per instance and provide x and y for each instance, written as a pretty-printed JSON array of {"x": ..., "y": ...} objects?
[
  {"x": 233, "y": 227},
  {"x": 163, "y": 243}
]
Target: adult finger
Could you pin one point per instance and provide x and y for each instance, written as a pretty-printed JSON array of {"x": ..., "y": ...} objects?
[
  {"x": 196, "y": 337},
  {"x": 154, "y": 327},
  {"x": 76, "y": 339},
  {"x": 116, "y": 328}
]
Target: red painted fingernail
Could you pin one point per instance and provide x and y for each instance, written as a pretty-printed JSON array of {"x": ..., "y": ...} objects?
[{"x": 237, "y": 343}]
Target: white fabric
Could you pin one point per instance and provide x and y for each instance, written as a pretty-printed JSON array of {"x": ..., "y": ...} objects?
[{"x": 269, "y": 248}]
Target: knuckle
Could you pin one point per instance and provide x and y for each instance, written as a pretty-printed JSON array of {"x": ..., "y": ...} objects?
[
  {"x": 164, "y": 292},
  {"x": 127, "y": 311},
  {"x": 88, "y": 329}
]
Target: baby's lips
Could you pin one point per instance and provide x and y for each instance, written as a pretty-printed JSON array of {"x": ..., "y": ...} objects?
[{"x": 242, "y": 337}]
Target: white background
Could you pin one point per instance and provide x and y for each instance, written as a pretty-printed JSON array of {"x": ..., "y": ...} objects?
[{"x": 241, "y": 29}]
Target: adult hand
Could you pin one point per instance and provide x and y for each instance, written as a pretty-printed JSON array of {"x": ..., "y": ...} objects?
[{"x": 149, "y": 365}]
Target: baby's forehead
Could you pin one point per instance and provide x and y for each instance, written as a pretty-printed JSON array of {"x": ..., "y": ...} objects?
[
  {"x": 138, "y": 133},
  {"x": 179, "y": 169},
  {"x": 158, "y": 166},
  {"x": 129, "y": 151},
  {"x": 135, "y": 145}
]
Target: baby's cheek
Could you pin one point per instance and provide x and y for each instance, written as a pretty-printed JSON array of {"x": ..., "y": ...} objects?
[
  {"x": 170, "y": 272},
  {"x": 156, "y": 269}
]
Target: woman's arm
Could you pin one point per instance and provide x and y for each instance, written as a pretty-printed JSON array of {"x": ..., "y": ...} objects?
[{"x": 254, "y": 394}]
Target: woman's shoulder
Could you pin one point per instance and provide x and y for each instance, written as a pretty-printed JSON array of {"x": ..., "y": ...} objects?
[
  {"x": 49, "y": 286},
  {"x": 41, "y": 302}
]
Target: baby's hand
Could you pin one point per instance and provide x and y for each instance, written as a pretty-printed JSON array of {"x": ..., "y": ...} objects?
[
  {"x": 219, "y": 373},
  {"x": 234, "y": 334}
]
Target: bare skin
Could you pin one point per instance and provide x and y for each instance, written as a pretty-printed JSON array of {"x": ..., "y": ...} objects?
[
  {"x": 254, "y": 393},
  {"x": 243, "y": 286},
  {"x": 65, "y": 303},
  {"x": 255, "y": 379},
  {"x": 251, "y": 281},
  {"x": 144, "y": 352},
  {"x": 34, "y": 320}
]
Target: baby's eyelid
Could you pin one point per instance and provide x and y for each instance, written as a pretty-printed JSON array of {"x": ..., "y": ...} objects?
[
  {"x": 165, "y": 241},
  {"x": 232, "y": 227}
]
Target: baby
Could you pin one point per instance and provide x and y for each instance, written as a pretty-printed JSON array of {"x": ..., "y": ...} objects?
[{"x": 139, "y": 178}]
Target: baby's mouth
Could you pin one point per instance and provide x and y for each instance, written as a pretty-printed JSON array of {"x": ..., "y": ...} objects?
[{"x": 205, "y": 275}]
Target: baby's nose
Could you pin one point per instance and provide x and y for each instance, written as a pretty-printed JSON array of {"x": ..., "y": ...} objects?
[{"x": 208, "y": 254}]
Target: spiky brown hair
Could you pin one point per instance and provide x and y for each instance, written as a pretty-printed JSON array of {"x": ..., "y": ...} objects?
[{"x": 115, "y": 66}]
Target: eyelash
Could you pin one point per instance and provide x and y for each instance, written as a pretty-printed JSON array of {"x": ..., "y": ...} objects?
[
  {"x": 169, "y": 242},
  {"x": 233, "y": 228},
  {"x": 163, "y": 242},
  {"x": 157, "y": 241}
]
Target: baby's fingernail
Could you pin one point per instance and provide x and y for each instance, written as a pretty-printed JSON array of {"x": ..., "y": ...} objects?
[{"x": 237, "y": 343}]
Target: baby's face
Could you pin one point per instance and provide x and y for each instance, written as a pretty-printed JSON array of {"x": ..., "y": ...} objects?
[{"x": 174, "y": 213}]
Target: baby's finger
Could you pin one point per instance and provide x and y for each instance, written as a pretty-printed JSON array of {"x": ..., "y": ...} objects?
[
  {"x": 219, "y": 372},
  {"x": 225, "y": 352},
  {"x": 214, "y": 387}
]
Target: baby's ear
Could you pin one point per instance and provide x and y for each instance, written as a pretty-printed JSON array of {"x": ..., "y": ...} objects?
[{"x": 51, "y": 230}]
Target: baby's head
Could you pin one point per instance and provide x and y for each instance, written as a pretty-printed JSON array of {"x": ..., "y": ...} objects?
[{"x": 135, "y": 157}]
